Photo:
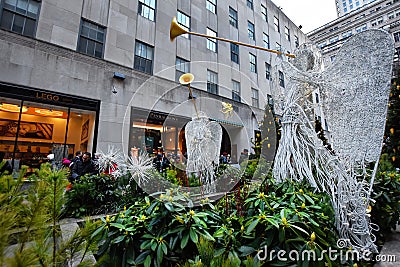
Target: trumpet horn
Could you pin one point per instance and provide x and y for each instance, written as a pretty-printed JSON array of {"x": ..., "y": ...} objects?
[
  {"x": 176, "y": 30},
  {"x": 186, "y": 78}
]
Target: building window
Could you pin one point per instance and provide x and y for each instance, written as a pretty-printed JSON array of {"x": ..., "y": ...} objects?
[
  {"x": 334, "y": 39},
  {"x": 250, "y": 30},
  {"x": 212, "y": 82},
  {"x": 347, "y": 34},
  {"x": 361, "y": 28},
  {"x": 281, "y": 79},
  {"x": 316, "y": 98},
  {"x": 143, "y": 58},
  {"x": 235, "y": 90},
  {"x": 266, "y": 40},
  {"x": 235, "y": 53},
  {"x": 147, "y": 9},
  {"x": 253, "y": 63},
  {"x": 396, "y": 36},
  {"x": 211, "y": 43},
  {"x": 182, "y": 66},
  {"x": 184, "y": 21},
  {"x": 391, "y": 15},
  {"x": 250, "y": 4},
  {"x": 254, "y": 98},
  {"x": 276, "y": 24},
  {"x": 278, "y": 47},
  {"x": 91, "y": 39},
  {"x": 287, "y": 34},
  {"x": 267, "y": 71},
  {"x": 264, "y": 13},
  {"x": 211, "y": 5},
  {"x": 296, "y": 41},
  {"x": 233, "y": 17},
  {"x": 20, "y": 16}
]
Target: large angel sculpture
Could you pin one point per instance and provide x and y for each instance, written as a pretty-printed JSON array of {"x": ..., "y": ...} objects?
[
  {"x": 355, "y": 91},
  {"x": 203, "y": 141}
]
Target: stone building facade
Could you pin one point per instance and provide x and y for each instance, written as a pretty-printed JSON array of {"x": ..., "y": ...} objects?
[{"x": 86, "y": 74}]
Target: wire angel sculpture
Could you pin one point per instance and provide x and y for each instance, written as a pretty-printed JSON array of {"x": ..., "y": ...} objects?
[
  {"x": 355, "y": 92},
  {"x": 203, "y": 141}
]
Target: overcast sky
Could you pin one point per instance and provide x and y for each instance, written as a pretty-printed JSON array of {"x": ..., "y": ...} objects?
[{"x": 311, "y": 14}]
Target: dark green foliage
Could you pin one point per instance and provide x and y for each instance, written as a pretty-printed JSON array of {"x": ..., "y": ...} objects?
[
  {"x": 391, "y": 145},
  {"x": 386, "y": 209},
  {"x": 95, "y": 194},
  {"x": 162, "y": 232}
]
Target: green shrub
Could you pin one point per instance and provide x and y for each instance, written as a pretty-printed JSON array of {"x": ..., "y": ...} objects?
[{"x": 386, "y": 205}]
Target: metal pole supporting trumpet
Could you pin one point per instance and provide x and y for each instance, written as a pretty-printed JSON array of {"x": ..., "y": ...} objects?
[
  {"x": 187, "y": 78},
  {"x": 176, "y": 30}
]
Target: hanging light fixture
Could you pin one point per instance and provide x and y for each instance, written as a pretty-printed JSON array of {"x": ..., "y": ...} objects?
[
  {"x": 49, "y": 112},
  {"x": 12, "y": 107}
]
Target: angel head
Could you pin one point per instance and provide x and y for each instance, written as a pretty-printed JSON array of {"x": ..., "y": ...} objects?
[{"x": 308, "y": 58}]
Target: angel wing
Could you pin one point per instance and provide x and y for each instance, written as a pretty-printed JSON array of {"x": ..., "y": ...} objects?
[{"x": 356, "y": 92}]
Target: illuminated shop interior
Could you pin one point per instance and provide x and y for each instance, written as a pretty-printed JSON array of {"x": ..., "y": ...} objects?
[{"x": 30, "y": 131}]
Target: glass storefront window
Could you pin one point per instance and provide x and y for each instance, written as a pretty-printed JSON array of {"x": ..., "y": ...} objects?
[{"x": 30, "y": 134}]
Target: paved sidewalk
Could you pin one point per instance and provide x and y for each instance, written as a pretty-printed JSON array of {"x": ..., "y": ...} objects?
[{"x": 391, "y": 249}]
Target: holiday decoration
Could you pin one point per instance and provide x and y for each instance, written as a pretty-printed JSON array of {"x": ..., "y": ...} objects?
[{"x": 355, "y": 91}]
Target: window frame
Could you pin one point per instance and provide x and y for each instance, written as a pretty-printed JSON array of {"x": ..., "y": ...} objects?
[
  {"x": 213, "y": 5},
  {"x": 137, "y": 57},
  {"x": 287, "y": 33},
  {"x": 233, "y": 17},
  {"x": 235, "y": 53},
  {"x": 212, "y": 82},
  {"x": 268, "y": 75},
  {"x": 266, "y": 41},
  {"x": 179, "y": 15},
  {"x": 251, "y": 32},
  {"x": 253, "y": 63},
  {"x": 264, "y": 13},
  {"x": 88, "y": 38},
  {"x": 236, "y": 94},
  {"x": 250, "y": 4},
  {"x": 142, "y": 3},
  {"x": 180, "y": 71},
  {"x": 276, "y": 24},
  {"x": 255, "y": 97},
  {"x": 25, "y": 17},
  {"x": 212, "y": 44}
]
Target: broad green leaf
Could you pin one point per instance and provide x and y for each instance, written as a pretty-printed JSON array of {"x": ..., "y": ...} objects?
[
  {"x": 246, "y": 250},
  {"x": 193, "y": 235},
  {"x": 252, "y": 226},
  {"x": 159, "y": 254},
  {"x": 118, "y": 239},
  {"x": 147, "y": 261},
  {"x": 184, "y": 240},
  {"x": 118, "y": 225},
  {"x": 309, "y": 199}
]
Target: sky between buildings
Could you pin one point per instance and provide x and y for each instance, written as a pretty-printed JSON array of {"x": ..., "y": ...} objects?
[{"x": 310, "y": 14}]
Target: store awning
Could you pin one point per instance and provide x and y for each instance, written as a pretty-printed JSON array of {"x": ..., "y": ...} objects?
[{"x": 232, "y": 123}]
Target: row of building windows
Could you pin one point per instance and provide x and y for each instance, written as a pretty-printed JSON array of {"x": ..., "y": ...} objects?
[{"x": 20, "y": 16}]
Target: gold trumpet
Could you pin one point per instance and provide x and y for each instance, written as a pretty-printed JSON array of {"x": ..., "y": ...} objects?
[{"x": 176, "y": 30}]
